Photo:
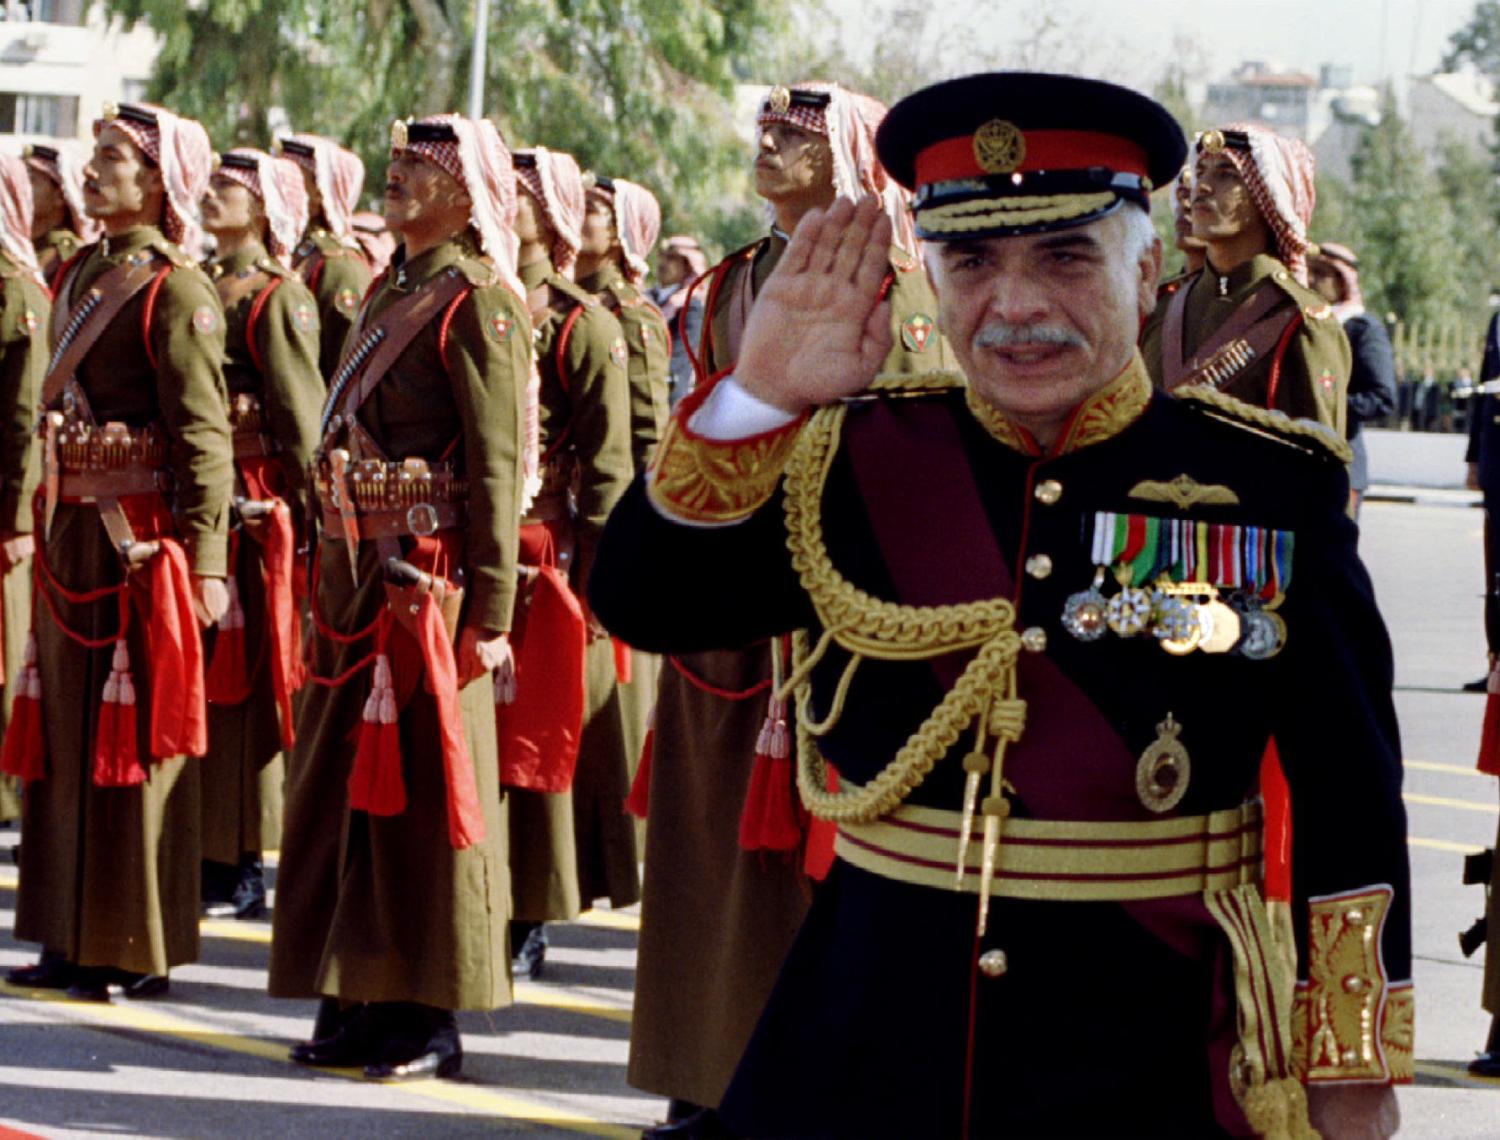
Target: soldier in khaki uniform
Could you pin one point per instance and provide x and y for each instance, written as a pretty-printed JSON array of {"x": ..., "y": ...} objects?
[
  {"x": 718, "y": 919},
  {"x": 329, "y": 259},
  {"x": 24, "y": 309},
  {"x": 586, "y": 466},
  {"x": 256, "y": 208},
  {"x": 394, "y": 886},
  {"x": 59, "y": 224},
  {"x": 1247, "y": 323},
  {"x": 134, "y": 402}
]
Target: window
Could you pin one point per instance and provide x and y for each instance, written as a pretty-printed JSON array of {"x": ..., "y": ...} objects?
[{"x": 26, "y": 114}]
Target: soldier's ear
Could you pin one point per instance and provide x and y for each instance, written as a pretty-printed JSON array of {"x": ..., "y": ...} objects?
[{"x": 151, "y": 179}]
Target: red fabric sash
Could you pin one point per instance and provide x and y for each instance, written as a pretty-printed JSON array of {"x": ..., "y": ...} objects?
[
  {"x": 174, "y": 648},
  {"x": 263, "y": 480},
  {"x": 539, "y": 732},
  {"x": 375, "y": 780}
]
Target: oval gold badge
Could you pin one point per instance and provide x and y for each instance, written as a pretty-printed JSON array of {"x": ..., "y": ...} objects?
[
  {"x": 779, "y": 101},
  {"x": 1211, "y": 142},
  {"x": 999, "y": 147}
]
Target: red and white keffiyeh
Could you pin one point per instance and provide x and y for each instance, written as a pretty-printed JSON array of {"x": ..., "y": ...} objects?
[
  {"x": 181, "y": 151},
  {"x": 15, "y": 214},
  {"x": 1344, "y": 262},
  {"x": 849, "y": 123},
  {"x": 61, "y": 165},
  {"x": 339, "y": 175},
  {"x": 686, "y": 247},
  {"x": 557, "y": 183},
  {"x": 637, "y": 224},
  {"x": 1279, "y": 173},
  {"x": 277, "y": 182}
]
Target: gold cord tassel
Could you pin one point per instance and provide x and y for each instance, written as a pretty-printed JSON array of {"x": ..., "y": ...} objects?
[
  {"x": 1007, "y": 720},
  {"x": 976, "y": 764}
]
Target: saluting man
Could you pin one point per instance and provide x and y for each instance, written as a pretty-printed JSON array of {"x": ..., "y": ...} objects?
[
  {"x": 1025, "y": 589},
  {"x": 256, "y": 208},
  {"x": 137, "y": 475},
  {"x": 329, "y": 258},
  {"x": 394, "y": 888},
  {"x": 720, "y": 910}
]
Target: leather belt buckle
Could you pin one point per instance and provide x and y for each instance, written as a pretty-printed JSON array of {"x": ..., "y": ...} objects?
[{"x": 422, "y": 519}]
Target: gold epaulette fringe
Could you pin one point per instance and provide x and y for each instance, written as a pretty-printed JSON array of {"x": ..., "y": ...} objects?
[{"x": 1308, "y": 435}]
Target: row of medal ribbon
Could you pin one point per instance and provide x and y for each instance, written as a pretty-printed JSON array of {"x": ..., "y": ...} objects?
[{"x": 1193, "y": 585}]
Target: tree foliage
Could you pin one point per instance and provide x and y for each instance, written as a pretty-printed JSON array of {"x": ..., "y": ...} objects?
[
  {"x": 1477, "y": 43},
  {"x": 636, "y": 88}
]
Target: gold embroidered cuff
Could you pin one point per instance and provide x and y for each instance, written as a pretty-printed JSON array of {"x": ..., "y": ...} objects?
[
  {"x": 1349, "y": 1023},
  {"x": 713, "y": 482}
]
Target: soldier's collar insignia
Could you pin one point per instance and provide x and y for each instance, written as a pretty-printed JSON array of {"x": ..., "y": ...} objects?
[
  {"x": 779, "y": 101},
  {"x": 1184, "y": 492},
  {"x": 999, "y": 147}
]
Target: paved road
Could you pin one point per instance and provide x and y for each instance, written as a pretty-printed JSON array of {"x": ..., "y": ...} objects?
[{"x": 210, "y": 1059}]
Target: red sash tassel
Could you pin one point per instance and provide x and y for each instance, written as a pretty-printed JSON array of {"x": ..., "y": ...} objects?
[
  {"x": 376, "y": 785},
  {"x": 22, "y": 755},
  {"x": 771, "y": 819}
]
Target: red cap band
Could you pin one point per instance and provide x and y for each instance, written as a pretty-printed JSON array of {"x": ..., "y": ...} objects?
[{"x": 954, "y": 159}]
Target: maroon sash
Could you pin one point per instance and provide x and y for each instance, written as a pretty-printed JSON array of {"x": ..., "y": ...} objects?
[{"x": 951, "y": 555}]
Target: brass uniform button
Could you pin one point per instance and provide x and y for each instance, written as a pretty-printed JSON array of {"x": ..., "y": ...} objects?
[
  {"x": 1048, "y": 492},
  {"x": 993, "y": 963},
  {"x": 1039, "y": 566},
  {"x": 1034, "y": 639}
]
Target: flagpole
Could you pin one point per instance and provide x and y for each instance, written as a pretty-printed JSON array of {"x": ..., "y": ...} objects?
[{"x": 476, "y": 60}]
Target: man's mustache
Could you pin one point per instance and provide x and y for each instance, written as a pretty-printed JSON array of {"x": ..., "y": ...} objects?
[{"x": 1007, "y": 334}]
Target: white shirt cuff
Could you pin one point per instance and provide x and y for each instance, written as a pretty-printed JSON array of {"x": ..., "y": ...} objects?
[{"x": 730, "y": 412}]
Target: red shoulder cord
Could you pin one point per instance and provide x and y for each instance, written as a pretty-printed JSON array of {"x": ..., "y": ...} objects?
[
  {"x": 44, "y": 578},
  {"x": 563, "y": 338},
  {"x": 65, "y": 270},
  {"x": 713, "y": 690},
  {"x": 317, "y": 272},
  {"x": 1281, "y": 346},
  {"x": 256, "y": 309},
  {"x": 443, "y": 326},
  {"x": 721, "y": 271},
  {"x": 149, "y": 311},
  {"x": 326, "y": 630}
]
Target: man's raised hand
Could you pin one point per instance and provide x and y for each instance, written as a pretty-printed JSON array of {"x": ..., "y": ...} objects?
[{"x": 819, "y": 330}]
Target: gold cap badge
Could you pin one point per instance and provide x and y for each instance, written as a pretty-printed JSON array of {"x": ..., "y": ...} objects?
[
  {"x": 398, "y": 135},
  {"x": 999, "y": 147},
  {"x": 276, "y": 147},
  {"x": 1211, "y": 141},
  {"x": 110, "y": 111},
  {"x": 218, "y": 162},
  {"x": 779, "y": 100}
]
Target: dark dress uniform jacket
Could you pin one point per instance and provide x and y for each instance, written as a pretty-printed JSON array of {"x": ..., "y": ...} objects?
[
  {"x": 1099, "y": 1027},
  {"x": 1372, "y": 386}
]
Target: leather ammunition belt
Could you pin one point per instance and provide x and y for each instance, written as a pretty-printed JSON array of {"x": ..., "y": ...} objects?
[
  {"x": 82, "y": 446},
  {"x": 1064, "y": 860},
  {"x": 419, "y": 519},
  {"x": 109, "y": 483},
  {"x": 247, "y": 421},
  {"x": 390, "y": 498}
]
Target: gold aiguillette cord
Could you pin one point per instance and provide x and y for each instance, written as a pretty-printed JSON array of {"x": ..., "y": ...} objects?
[{"x": 1005, "y": 720}]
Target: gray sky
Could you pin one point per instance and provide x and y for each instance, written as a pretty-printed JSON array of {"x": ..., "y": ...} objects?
[{"x": 1133, "y": 40}]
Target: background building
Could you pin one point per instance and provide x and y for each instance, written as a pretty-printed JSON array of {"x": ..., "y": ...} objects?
[{"x": 60, "y": 61}]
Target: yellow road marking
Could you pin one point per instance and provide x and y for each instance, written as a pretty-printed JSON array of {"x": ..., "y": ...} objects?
[
  {"x": 1450, "y": 769},
  {"x": 614, "y": 919},
  {"x": 1456, "y": 1073},
  {"x": 1444, "y": 845},
  {"x": 1449, "y": 802},
  {"x": 487, "y": 1100}
]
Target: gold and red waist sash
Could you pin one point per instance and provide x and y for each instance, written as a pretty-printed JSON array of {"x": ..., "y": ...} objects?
[
  {"x": 1064, "y": 860},
  {"x": 390, "y": 498}
]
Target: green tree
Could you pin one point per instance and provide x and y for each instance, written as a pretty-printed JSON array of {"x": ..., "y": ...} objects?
[
  {"x": 1467, "y": 180},
  {"x": 1478, "y": 41},
  {"x": 1405, "y": 225},
  {"x": 637, "y": 88}
]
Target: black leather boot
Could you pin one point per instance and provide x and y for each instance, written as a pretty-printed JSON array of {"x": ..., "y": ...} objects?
[
  {"x": 531, "y": 955},
  {"x": 423, "y": 1042},
  {"x": 359, "y": 1040},
  {"x": 52, "y": 971}
]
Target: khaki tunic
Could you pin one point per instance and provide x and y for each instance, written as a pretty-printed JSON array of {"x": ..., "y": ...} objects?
[
  {"x": 564, "y": 845},
  {"x": 717, "y": 921},
  {"x": 338, "y": 276},
  {"x": 385, "y": 909},
  {"x": 243, "y": 772},
  {"x": 1314, "y": 370},
  {"x": 24, "y": 311},
  {"x": 53, "y": 251},
  {"x": 110, "y": 876}
]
